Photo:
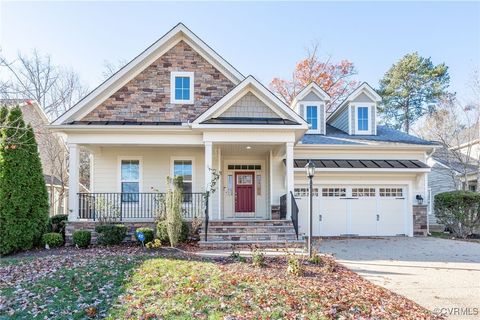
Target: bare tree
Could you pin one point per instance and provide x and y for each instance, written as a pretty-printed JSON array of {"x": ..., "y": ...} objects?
[
  {"x": 111, "y": 68},
  {"x": 36, "y": 77},
  {"x": 453, "y": 126}
]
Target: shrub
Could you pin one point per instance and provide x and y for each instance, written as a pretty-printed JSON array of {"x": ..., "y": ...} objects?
[
  {"x": 111, "y": 234},
  {"x": 23, "y": 194},
  {"x": 235, "y": 256},
  {"x": 57, "y": 224},
  {"x": 316, "y": 258},
  {"x": 52, "y": 239},
  {"x": 147, "y": 232},
  {"x": 258, "y": 257},
  {"x": 294, "y": 266},
  {"x": 82, "y": 238},
  {"x": 459, "y": 211},
  {"x": 162, "y": 232},
  {"x": 154, "y": 244}
]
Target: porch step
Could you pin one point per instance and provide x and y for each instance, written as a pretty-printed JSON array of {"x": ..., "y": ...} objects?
[
  {"x": 218, "y": 244},
  {"x": 265, "y": 233}
]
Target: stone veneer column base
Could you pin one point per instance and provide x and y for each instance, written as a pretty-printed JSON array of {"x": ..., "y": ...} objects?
[
  {"x": 420, "y": 220},
  {"x": 275, "y": 212}
]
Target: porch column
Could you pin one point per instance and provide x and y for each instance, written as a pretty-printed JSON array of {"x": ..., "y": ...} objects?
[
  {"x": 73, "y": 181},
  {"x": 289, "y": 177},
  {"x": 208, "y": 172}
]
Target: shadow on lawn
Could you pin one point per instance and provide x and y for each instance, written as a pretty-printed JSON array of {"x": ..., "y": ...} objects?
[{"x": 71, "y": 282}]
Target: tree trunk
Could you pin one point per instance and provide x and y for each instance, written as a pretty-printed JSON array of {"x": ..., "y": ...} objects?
[{"x": 407, "y": 119}]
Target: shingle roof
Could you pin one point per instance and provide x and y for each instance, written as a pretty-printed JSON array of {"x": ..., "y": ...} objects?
[
  {"x": 451, "y": 160},
  {"x": 362, "y": 164},
  {"x": 48, "y": 180},
  {"x": 384, "y": 135}
]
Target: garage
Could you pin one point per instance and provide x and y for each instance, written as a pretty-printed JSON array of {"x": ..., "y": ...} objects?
[{"x": 354, "y": 210}]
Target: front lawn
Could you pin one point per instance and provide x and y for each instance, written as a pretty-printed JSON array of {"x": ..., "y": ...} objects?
[{"x": 128, "y": 283}]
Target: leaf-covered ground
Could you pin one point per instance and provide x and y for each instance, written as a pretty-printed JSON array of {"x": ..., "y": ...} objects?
[{"x": 129, "y": 283}]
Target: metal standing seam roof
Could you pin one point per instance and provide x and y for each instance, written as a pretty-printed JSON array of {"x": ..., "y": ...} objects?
[
  {"x": 362, "y": 164},
  {"x": 127, "y": 123},
  {"x": 249, "y": 120}
]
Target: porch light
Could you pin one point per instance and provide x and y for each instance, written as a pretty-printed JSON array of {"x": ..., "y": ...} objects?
[
  {"x": 248, "y": 147},
  {"x": 310, "y": 169},
  {"x": 419, "y": 199}
]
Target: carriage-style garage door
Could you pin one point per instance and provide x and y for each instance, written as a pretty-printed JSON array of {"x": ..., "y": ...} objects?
[{"x": 354, "y": 210}]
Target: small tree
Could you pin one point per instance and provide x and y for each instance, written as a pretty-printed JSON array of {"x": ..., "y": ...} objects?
[
  {"x": 173, "y": 204},
  {"x": 23, "y": 195}
]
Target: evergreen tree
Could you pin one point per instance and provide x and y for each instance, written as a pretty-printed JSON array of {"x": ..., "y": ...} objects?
[
  {"x": 409, "y": 88},
  {"x": 3, "y": 115},
  {"x": 23, "y": 196}
]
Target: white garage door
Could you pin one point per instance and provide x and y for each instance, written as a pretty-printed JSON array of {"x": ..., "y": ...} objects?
[{"x": 353, "y": 210}]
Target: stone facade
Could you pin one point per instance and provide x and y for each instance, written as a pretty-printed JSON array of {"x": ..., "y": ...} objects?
[
  {"x": 73, "y": 226},
  {"x": 420, "y": 220},
  {"x": 146, "y": 98}
]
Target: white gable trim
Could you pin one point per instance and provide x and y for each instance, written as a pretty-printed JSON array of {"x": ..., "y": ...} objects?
[
  {"x": 312, "y": 87},
  {"x": 266, "y": 96},
  {"x": 363, "y": 88},
  {"x": 141, "y": 62}
]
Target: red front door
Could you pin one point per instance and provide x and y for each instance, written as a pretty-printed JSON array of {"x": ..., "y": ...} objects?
[{"x": 244, "y": 192}]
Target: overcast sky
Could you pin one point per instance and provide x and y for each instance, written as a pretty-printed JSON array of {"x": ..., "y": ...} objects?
[{"x": 262, "y": 39}]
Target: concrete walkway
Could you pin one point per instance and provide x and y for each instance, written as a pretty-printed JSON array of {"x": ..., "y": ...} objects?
[{"x": 441, "y": 275}]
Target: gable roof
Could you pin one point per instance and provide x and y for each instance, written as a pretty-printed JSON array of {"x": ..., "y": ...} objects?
[
  {"x": 27, "y": 105},
  {"x": 312, "y": 87},
  {"x": 363, "y": 88},
  {"x": 250, "y": 84},
  {"x": 178, "y": 33}
]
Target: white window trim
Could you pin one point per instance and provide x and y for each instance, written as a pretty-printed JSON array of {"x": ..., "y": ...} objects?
[
  {"x": 187, "y": 158},
  {"x": 119, "y": 172},
  {"x": 370, "y": 122},
  {"x": 319, "y": 105},
  {"x": 174, "y": 74}
]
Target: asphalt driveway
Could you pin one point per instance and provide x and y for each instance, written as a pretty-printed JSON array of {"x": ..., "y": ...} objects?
[{"x": 441, "y": 275}]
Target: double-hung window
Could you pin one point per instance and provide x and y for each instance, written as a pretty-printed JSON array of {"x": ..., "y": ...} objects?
[
  {"x": 181, "y": 84},
  {"x": 130, "y": 180},
  {"x": 184, "y": 169},
  {"x": 312, "y": 117},
  {"x": 362, "y": 119}
]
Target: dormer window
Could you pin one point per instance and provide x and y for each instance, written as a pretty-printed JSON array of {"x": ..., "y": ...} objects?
[
  {"x": 363, "y": 119},
  {"x": 312, "y": 117},
  {"x": 181, "y": 84}
]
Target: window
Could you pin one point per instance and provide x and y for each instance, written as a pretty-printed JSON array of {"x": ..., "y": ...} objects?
[
  {"x": 312, "y": 117},
  {"x": 244, "y": 167},
  {"x": 391, "y": 192},
  {"x": 182, "y": 87},
  {"x": 363, "y": 192},
  {"x": 334, "y": 192},
  {"x": 304, "y": 192},
  {"x": 362, "y": 119},
  {"x": 130, "y": 180},
  {"x": 184, "y": 169}
]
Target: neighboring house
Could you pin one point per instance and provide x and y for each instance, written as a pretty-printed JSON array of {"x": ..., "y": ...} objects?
[
  {"x": 449, "y": 172},
  {"x": 180, "y": 109},
  {"x": 52, "y": 150}
]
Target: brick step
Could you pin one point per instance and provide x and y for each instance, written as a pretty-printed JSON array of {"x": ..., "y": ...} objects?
[
  {"x": 249, "y": 229},
  {"x": 262, "y": 244},
  {"x": 251, "y": 237},
  {"x": 249, "y": 222}
]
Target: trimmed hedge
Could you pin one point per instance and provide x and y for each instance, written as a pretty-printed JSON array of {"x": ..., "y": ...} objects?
[
  {"x": 111, "y": 234},
  {"x": 53, "y": 239},
  {"x": 459, "y": 211},
  {"x": 82, "y": 238},
  {"x": 147, "y": 232},
  {"x": 162, "y": 233}
]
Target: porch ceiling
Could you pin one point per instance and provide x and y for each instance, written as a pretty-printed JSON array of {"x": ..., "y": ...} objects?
[{"x": 247, "y": 149}]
